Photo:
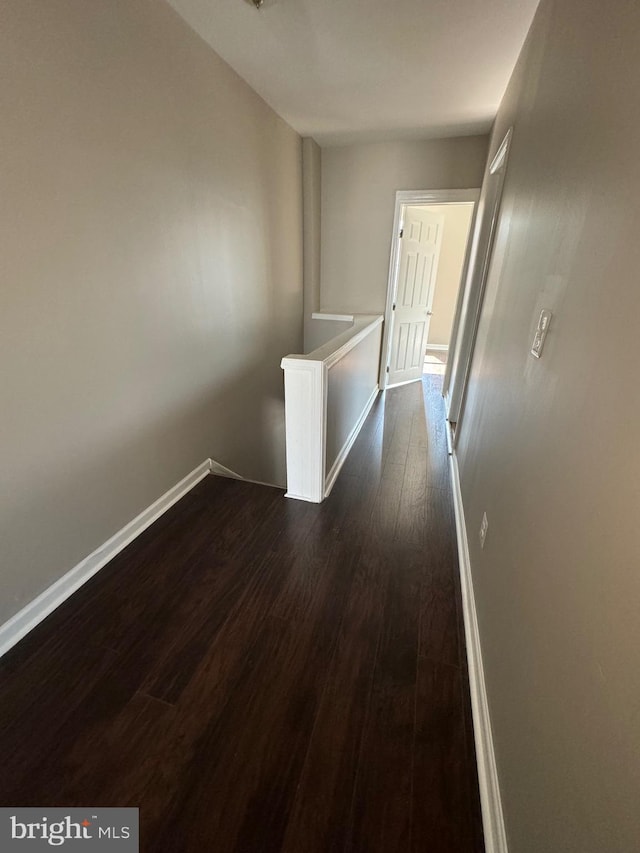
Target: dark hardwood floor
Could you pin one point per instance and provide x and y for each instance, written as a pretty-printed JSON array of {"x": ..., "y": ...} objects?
[{"x": 260, "y": 674}]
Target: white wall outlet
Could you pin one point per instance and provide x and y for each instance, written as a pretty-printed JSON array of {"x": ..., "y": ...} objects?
[{"x": 484, "y": 526}]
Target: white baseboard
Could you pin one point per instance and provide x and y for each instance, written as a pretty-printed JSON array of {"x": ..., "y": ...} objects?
[
  {"x": 295, "y": 497},
  {"x": 26, "y": 619},
  {"x": 495, "y": 838},
  {"x": 438, "y": 347},
  {"x": 337, "y": 465},
  {"x": 222, "y": 471}
]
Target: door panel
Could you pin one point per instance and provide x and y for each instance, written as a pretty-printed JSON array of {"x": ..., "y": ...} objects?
[
  {"x": 410, "y": 351},
  {"x": 417, "y": 271}
]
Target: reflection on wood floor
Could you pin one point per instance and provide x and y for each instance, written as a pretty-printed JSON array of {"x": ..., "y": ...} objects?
[{"x": 260, "y": 674}]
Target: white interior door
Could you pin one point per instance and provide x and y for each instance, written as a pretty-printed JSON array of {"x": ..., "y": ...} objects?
[{"x": 415, "y": 286}]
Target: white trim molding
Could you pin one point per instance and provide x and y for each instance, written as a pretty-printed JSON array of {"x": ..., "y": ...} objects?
[
  {"x": 305, "y": 394},
  {"x": 502, "y": 153},
  {"x": 474, "y": 281},
  {"x": 32, "y": 614},
  {"x": 222, "y": 471},
  {"x": 320, "y": 315},
  {"x": 438, "y": 347},
  {"x": 495, "y": 837},
  {"x": 219, "y": 470}
]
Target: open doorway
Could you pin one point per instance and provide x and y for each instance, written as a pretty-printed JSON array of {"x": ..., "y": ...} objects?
[
  {"x": 428, "y": 261},
  {"x": 456, "y": 227}
]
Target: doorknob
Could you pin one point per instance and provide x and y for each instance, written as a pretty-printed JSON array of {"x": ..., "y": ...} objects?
[{"x": 429, "y": 313}]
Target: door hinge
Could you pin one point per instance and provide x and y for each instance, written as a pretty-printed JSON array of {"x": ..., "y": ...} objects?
[
  {"x": 393, "y": 307},
  {"x": 401, "y": 233},
  {"x": 387, "y": 368}
]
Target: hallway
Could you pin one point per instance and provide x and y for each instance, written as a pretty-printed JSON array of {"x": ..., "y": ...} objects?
[{"x": 259, "y": 674}]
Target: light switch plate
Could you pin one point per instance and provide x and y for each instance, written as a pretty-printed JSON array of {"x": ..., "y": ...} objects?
[
  {"x": 544, "y": 322},
  {"x": 545, "y": 319}
]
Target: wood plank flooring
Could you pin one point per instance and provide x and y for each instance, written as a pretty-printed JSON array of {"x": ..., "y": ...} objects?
[{"x": 258, "y": 674}]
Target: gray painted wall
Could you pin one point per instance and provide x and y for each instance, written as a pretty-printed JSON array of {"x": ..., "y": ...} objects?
[
  {"x": 311, "y": 189},
  {"x": 151, "y": 274},
  {"x": 359, "y": 184},
  {"x": 549, "y": 448}
]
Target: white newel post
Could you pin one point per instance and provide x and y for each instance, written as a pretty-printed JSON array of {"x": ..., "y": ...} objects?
[{"x": 305, "y": 384}]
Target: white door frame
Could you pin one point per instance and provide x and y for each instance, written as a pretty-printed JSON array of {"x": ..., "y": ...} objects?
[
  {"x": 403, "y": 199},
  {"x": 471, "y": 294}
]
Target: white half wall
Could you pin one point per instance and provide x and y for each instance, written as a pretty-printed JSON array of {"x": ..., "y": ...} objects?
[
  {"x": 320, "y": 329},
  {"x": 352, "y": 384},
  {"x": 328, "y": 394}
]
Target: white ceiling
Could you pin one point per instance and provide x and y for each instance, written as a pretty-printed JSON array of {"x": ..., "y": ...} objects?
[{"x": 358, "y": 70}]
